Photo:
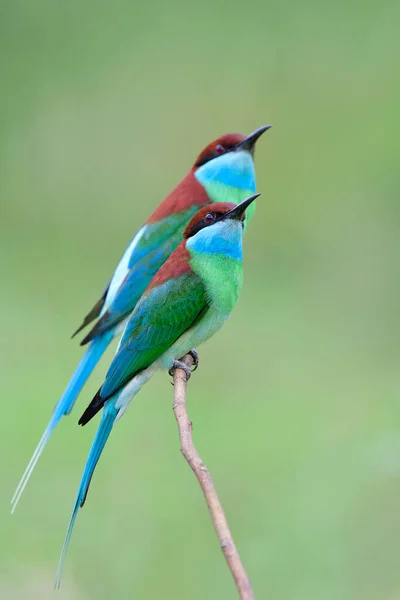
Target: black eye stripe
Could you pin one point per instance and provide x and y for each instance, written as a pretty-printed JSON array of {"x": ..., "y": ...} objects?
[
  {"x": 204, "y": 223},
  {"x": 214, "y": 154}
]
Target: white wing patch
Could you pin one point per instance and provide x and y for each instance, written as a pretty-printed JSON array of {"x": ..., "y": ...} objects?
[{"x": 122, "y": 270}]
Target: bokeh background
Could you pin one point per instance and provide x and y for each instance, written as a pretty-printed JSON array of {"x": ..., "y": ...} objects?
[{"x": 103, "y": 108}]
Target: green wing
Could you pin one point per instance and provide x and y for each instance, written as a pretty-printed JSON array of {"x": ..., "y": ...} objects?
[{"x": 159, "y": 319}]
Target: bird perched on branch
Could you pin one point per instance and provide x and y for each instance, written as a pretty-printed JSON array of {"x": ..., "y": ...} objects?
[
  {"x": 187, "y": 301},
  {"x": 223, "y": 171}
]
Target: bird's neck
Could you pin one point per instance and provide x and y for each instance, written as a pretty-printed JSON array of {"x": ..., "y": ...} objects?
[
  {"x": 234, "y": 169},
  {"x": 216, "y": 257},
  {"x": 229, "y": 178}
]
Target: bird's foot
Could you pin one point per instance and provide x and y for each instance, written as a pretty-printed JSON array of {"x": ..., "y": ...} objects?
[
  {"x": 180, "y": 365},
  {"x": 195, "y": 357}
]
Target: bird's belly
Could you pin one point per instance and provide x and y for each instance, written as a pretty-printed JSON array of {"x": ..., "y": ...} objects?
[{"x": 192, "y": 338}]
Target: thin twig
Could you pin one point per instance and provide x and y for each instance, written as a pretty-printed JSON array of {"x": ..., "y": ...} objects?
[{"x": 204, "y": 478}]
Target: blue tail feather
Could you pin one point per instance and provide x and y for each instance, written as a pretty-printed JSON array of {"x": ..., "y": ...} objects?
[
  {"x": 107, "y": 421},
  {"x": 65, "y": 404}
]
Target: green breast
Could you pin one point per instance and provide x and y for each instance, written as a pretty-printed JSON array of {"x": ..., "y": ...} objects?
[{"x": 222, "y": 277}]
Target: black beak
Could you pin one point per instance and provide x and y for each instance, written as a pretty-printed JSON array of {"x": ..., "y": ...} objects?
[
  {"x": 249, "y": 142},
  {"x": 239, "y": 210}
]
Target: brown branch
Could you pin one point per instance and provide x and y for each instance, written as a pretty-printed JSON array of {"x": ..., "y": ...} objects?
[{"x": 204, "y": 478}]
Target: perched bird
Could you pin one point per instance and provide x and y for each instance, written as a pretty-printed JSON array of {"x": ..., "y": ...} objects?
[
  {"x": 223, "y": 171},
  {"x": 187, "y": 301}
]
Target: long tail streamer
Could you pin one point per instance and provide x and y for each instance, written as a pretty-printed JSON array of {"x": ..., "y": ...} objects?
[
  {"x": 103, "y": 431},
  {"x": 64, "y": 405}
]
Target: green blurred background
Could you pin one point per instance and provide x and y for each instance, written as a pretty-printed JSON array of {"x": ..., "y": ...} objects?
[{"x": 103, "y": 108}]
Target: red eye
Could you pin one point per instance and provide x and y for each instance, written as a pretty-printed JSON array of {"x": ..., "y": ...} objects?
[{"x": 219, "y": 149}]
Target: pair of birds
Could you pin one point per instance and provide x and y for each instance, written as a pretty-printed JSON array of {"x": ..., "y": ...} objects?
[{"x": 174, "y": 287}]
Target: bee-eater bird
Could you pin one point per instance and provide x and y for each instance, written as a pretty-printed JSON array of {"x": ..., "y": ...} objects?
[
  {"x": 187, "y": 301},
  {"x": 224, "y": 171}
]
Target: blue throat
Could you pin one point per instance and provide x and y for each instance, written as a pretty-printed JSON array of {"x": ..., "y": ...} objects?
[
  {"x": 222, "y": 239},
  {"x": 234, "y": 169}
]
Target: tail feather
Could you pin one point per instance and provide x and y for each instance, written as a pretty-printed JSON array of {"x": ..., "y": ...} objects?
[
  {"x": 64, "y": 405},
  {"x": 96, "y": 404},
  {"x": 94, "y": 313},
  {"x": 104, "y": 430}
]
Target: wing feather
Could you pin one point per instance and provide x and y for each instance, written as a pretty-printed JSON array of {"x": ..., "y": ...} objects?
[
  {"x": 155, "y": 245},
  {"x": 160, "y": 318}
]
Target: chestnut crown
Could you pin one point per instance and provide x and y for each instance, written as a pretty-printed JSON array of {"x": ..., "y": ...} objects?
[{"x": 229, "y": 143}]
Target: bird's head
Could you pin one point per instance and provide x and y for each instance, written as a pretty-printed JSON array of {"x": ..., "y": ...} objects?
[
  {"x": 214, "y": 219},
  {"x": 229, "y": 160}
]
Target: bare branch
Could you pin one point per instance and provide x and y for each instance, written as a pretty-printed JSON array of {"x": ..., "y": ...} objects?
[{"x": 204, "y": 478}]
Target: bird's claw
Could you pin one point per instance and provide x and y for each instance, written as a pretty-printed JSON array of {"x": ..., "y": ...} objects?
[
  {"x": 180, "y": 365},
  {"x": 195, "y": 357}
]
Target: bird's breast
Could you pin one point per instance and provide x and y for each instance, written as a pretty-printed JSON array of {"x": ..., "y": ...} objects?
[{"x": 222, "y": 277}]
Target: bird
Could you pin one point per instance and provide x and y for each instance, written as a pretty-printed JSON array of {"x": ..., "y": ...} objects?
[
  {"x": 188, "y": 300},
  {"x": 223, "y": 171}
]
